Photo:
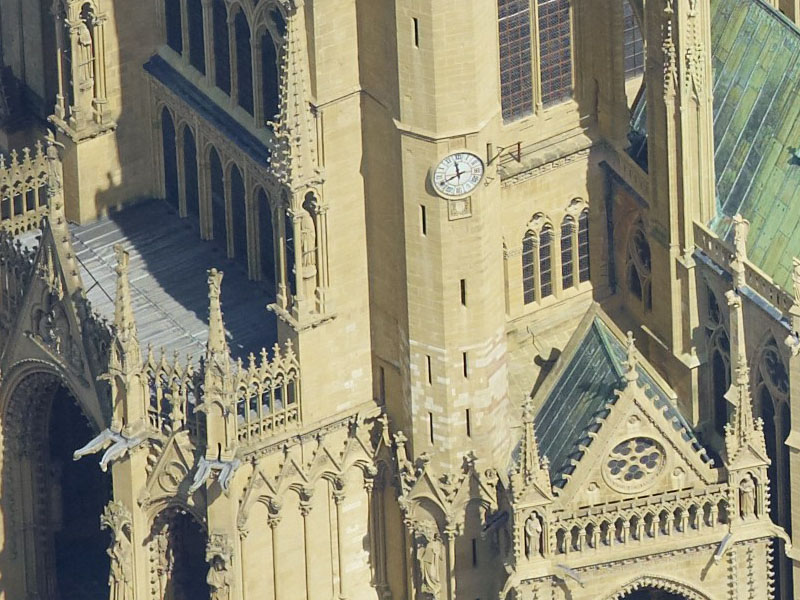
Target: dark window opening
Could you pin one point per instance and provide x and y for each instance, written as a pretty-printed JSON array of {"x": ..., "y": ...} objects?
[
  {"x": 416, "y": 31},
  {"x": 239, "y": 214},
  {"x": 430, "y": 426},
  {"x": 222, "y": 60},
  {"x": 528, "y": 269},
  {"x": 584, "y": 273},
  {"x": 546, "y": 262},
  {"x": 269, "y": 77},
  {"x": 567, "y": 275},
  {"x": 190, "y": 174},
  {"x": 423, "y": 220},
  {"x": 172, "y": 21},
  {"x": 244, "y": 62},
  {"x": 218, "y": 213},
  {"x": 170, "y": 159},
  {"x": 197, "y": 53},
  {"x": 463, "y": 292},
  {"x": 267, "y": 240}
]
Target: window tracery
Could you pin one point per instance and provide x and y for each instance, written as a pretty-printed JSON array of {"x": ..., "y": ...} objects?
[
  {"x": 638, "y": 267},
  {"x": 574, "y": 248},
  {"x": 555, "y": 50},
  {"x": 537, "y": 261}
]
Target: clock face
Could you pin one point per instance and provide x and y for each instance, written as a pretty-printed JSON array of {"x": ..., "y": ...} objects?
[{"x": 458, "y": 174}]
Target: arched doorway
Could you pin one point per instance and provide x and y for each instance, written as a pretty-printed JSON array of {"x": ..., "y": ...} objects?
[
  {"x": 178, "y": 564},
  {"x": 52, "y": 544}
]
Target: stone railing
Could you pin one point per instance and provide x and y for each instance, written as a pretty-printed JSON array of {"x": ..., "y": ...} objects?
[
  {"x": 173, "y": 392},
  {"x": 632, "y": 523},
  {"x": 721, "y": 253},
  {"x": 23, "y": 189},
  {"x": 267, "y": 395}
]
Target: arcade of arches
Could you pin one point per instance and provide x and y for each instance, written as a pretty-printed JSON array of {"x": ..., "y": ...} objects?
[{"x": 648, "y": 593}]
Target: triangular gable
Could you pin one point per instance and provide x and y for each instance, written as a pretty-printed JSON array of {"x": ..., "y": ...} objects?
[
  {"x": 586, "y": 412},
  {"x": 49, "y": 326}
]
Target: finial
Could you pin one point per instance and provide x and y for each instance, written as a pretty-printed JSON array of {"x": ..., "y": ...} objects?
[
  {"x": 631, "y": 358},
  {"x": 796, "y": 279},
  {"x": 742, "y": 429},
  {"x": 124, "y": 321},
  {"x": 216, "y": 326}
]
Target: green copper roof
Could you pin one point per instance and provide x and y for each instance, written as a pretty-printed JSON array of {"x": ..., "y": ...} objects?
[
  {"x": 583, "y": 395},
  {"x": 756, "y": 62},
  {"x": 756, "y": 69}
]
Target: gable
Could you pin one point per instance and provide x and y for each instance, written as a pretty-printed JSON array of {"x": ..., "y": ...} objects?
[{"x": 588, "y": 400}]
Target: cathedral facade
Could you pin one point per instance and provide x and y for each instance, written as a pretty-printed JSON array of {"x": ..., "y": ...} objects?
[{"x": 423, "y": 299}]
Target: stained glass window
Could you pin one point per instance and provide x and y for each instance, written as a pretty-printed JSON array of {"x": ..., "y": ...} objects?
[
  {"x": 555, "y": 50},
  {"x": 634, "y": 47},
  {"x": 583, "y": 247},
  {"x": 528, "y": 270},
  {"x": 516, "y": 68},
  {"x": 546, "y": 262},
  {"x": 567, "y": 268}
]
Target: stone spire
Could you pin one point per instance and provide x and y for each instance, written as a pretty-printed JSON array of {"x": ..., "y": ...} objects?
[
  {"x": 126, "y": 336},
  {"x": 217, "y": 345},
  {"x": 742, "y": 430},
  {"x": 218, "y": 397},
  {"x": 293, "y": 150}
]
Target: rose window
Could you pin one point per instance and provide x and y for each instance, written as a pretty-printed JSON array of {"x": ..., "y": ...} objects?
[{"x": 634, "y": 464}]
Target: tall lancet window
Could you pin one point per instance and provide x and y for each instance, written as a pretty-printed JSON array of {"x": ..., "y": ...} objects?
[
  {"x": 197, "y": 55},
  {"x": 222, "y": 59},
  {"x": 633, "y": 43},
  {"x": 516, "y": 66},
  {"x": 172, "y": 22},
  {"x": 555, "y": 50},
  {"x": 244, "y": 62},
  {"x": 537, "y": 263}
]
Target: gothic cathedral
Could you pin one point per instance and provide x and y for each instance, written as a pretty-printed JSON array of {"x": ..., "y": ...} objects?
[{"x": 399, "y": 299}]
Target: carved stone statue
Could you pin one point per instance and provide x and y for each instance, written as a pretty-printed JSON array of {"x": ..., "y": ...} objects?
[
  {"x": 741, "y": 227},
  {"x": 747, "y": 498},
  {"x": 308, "y": 241},
  {"x": 120, "y": 578},
  {"x": 533, "y": 536},
  {"x": 429, "y": 557},
  {"x": 85, "y": 58},
  {"x": 219, "y": 556}
]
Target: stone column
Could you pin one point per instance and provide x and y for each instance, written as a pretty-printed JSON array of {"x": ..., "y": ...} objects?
[
  {"x": 305, "y": 510},
  {"x": 208, "y": 42},
  {"x": 338, "y": 499}
]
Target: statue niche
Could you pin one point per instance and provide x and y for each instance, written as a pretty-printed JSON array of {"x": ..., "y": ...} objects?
[
  {"x": 116, "y": 518},
  {"x": 429, "y": 560}
]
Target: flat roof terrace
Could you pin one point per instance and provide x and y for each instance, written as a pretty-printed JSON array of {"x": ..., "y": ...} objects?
[{"x": 169, "y": 282}]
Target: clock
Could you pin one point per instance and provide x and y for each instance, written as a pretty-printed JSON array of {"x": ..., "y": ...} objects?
[{"x": 457, "y": 174}]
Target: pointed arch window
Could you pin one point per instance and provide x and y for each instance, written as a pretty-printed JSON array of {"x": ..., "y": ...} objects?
[
  {"x": 584, "y": 273},
  {"x": 546, "y": 261},
  {"x": 638, "y": 267},
  {"x": 567, "y": 248},
  {"x": 528, "y": 268},
  {"x": 555, "y": 50},
  {"x": 516, "y": 65},
  {"x": 633, "y": 43},
  {"x": 537, "y": 264}
]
